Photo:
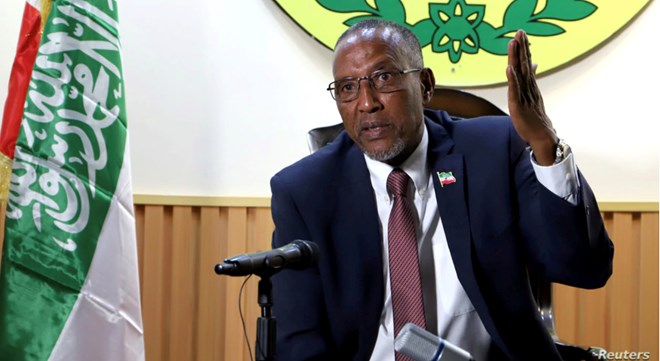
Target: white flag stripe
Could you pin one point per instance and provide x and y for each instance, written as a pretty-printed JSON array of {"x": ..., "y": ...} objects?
[
  {"x": 35, "y": 4},
  {"x": 107, "y": 313}
]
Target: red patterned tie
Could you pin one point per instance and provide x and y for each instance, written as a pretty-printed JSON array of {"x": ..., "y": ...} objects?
[{"x": 405, "y": 281}]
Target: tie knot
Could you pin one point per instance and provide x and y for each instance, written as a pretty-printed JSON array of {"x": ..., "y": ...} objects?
[{"x": 397, "y": 182}]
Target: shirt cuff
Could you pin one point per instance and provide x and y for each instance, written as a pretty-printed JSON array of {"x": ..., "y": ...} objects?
[{"x": 560, "y": 179}]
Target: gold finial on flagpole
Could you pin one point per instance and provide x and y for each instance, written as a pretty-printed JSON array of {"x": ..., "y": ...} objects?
[
  {"x": 45, "y": 11},
  {"x": 5, "y": 176}
]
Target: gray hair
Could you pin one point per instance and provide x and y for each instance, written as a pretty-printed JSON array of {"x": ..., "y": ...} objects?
[{"x": 406, "y": 40}]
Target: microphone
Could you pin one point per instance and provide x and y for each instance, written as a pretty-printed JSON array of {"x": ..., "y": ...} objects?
[
  {"x": 421, "y": 345},
  {"x": 295, "y": 255}
]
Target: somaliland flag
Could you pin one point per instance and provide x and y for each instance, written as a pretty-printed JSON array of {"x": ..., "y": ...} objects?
[{"x": 69, "y": 277}]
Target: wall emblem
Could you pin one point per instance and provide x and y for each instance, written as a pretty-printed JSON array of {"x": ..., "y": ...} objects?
[{"x": 465, "y": 41}]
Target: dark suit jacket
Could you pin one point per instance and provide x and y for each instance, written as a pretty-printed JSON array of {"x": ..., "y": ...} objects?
[{"x": 498, "y": 221}]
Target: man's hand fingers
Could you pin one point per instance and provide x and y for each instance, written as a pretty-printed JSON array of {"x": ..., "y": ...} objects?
[
  {"x": 528, "y": 54},
  {"x": 514, "y": 87},
  {"x": 523, "y": 53},
  {"x": 513, "y": 73},
  {"x": 525, "y": 101},
  {"x": 526, "y": 72},
  {"x": 513, "y": 53},
  {"x": 521, "y": 72}
]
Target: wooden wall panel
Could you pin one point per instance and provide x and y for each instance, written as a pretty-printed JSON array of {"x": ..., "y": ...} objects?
[
  {"x": 622, "y": 316},
  {"x": 566, "y": 299},
  {"x": 155, "y": 256},
  {"x": 184, "y": 285},
  {"x": 235, "y": 346},
  {"x": 621, "y": 288},
  {"x": 211, "y": 301},
  {"x": 648, "y": 281},
  {"x": 190, "y": 313}
]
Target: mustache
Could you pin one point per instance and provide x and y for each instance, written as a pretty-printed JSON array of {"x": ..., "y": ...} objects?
[{"x": 370, "y": 124}]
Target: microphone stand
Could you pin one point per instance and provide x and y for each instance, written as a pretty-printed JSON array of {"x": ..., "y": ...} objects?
[
  {"x": 264, "y": 348},
  {"x": 298, "y": 254}
]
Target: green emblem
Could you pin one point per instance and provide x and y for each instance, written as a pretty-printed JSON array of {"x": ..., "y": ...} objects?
[{"x": 458, "y": 28}]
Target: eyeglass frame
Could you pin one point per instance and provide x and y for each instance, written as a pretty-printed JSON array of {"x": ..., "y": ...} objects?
[{"x": 369, "y": 78}]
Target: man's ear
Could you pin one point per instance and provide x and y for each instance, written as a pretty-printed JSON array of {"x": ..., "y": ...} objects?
[{"x": 428, "y": 84}]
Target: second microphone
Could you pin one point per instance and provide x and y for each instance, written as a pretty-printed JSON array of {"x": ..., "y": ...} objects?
[{"x": 298, "y": 254}]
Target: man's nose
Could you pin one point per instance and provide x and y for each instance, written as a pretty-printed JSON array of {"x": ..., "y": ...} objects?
[{"x": 368, "y": 101}]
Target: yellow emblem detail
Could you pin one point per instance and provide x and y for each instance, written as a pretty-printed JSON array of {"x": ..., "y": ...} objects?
[{"x": 464, "y": 41}]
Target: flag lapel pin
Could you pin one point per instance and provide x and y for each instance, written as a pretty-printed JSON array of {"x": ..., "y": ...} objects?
[{"x": 446, "y": 178}]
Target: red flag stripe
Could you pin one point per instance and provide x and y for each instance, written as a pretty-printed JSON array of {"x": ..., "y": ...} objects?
[{"x": 19, "y": 79}]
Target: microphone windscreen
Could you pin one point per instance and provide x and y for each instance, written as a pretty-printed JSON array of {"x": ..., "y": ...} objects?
[
  {"x": 417, "y": 343},
  {"x": 310, "y": 253},
  {"x": 421, "y": 345}
]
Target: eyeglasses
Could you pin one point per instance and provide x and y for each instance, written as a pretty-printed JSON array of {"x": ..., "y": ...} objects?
[{"x": 382, "y": 81}]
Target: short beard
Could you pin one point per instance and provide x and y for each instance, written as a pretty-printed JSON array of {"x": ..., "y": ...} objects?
[{"x": 385, "y": 155}]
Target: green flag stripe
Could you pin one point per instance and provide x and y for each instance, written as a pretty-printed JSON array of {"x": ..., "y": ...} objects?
[{"x": 68, "y": 158}]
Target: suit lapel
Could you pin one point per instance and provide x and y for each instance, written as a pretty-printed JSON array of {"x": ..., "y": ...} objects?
[
  {"x": 453, "y": 210},
  {"x": 358, "y": 233},
  {"x": 448, "y": 165}
]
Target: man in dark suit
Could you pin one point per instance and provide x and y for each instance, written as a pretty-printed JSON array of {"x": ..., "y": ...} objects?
[{"x": 485, "y": 210}]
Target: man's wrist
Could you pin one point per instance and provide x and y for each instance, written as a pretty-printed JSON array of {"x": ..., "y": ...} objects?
[
  {"x": 561, "y": 151},
  {"x": 544, "y": 152}
]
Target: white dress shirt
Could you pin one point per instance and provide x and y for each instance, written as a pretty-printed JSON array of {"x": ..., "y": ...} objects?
[{"x": 457, "y": 320}]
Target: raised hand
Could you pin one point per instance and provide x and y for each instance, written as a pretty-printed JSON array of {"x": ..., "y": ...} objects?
[{"x": 526, "y": 103}]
